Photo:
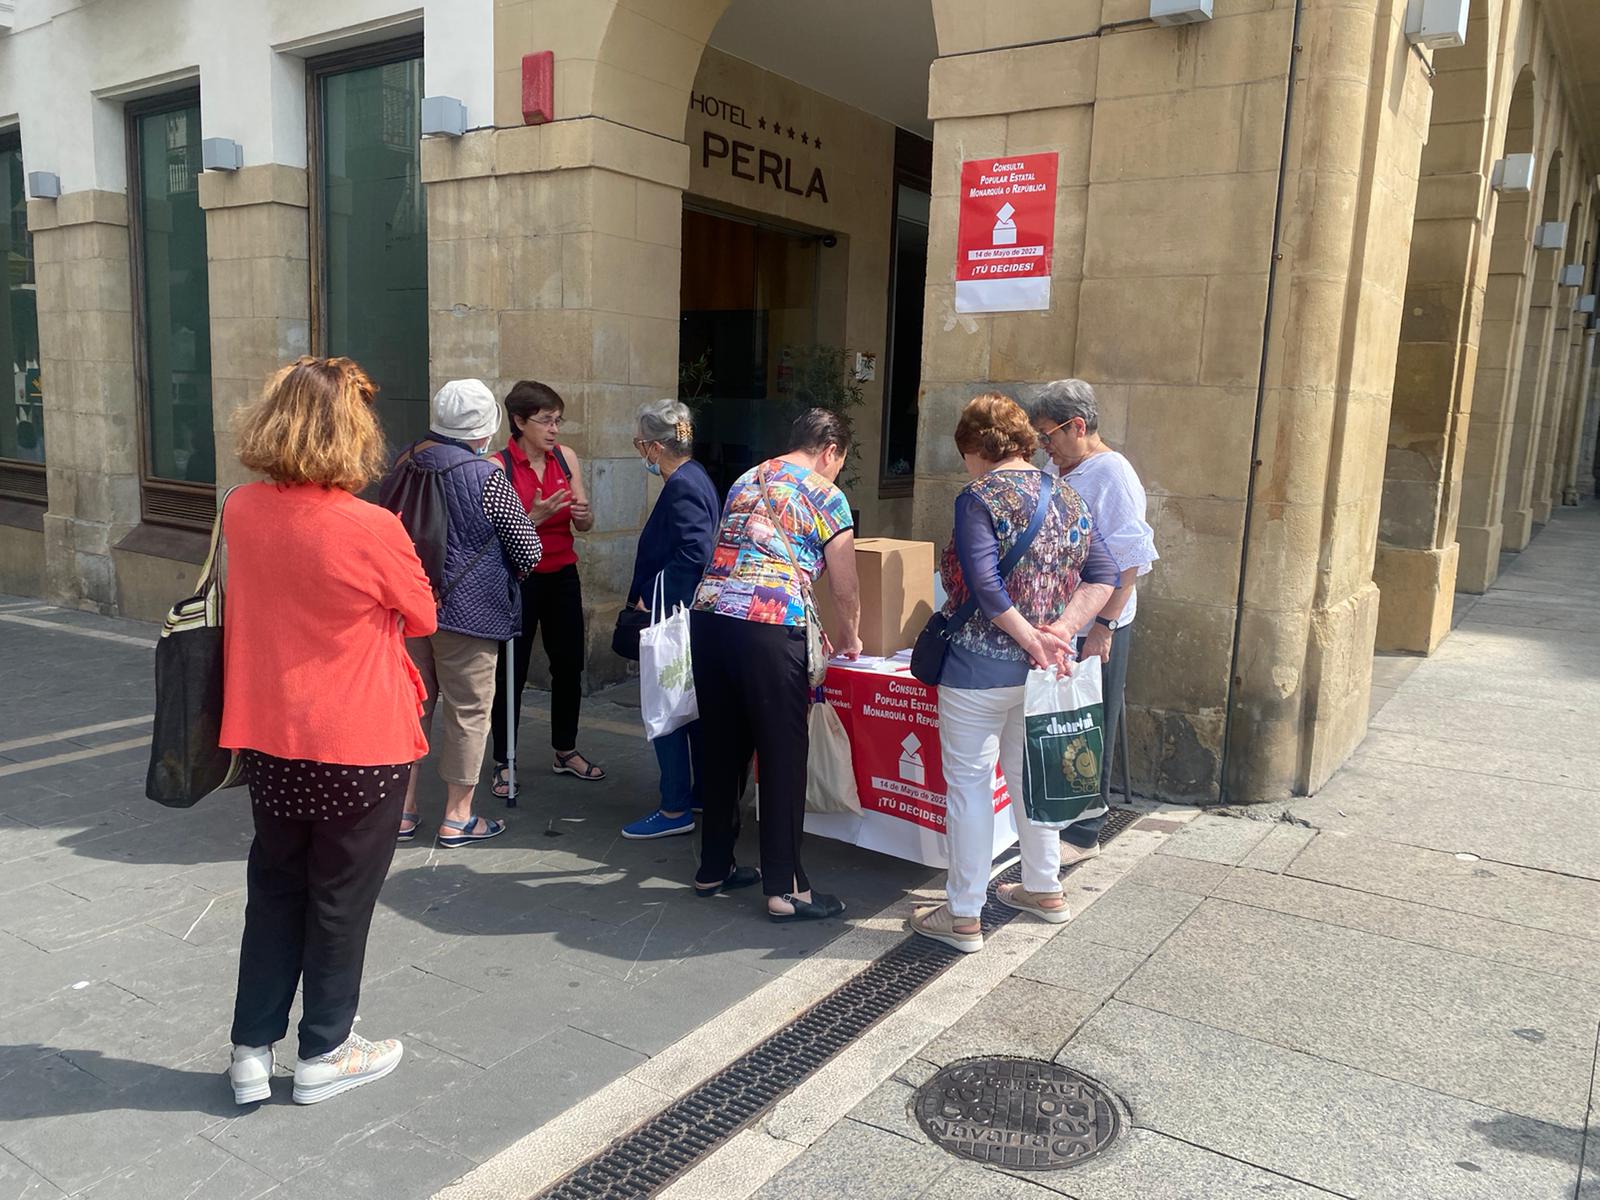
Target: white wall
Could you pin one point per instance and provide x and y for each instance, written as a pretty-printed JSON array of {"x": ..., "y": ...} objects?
[{"x": 70, "y": 64}]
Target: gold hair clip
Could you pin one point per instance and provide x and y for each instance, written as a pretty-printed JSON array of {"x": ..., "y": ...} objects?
[{"x": 684, "y": 431}]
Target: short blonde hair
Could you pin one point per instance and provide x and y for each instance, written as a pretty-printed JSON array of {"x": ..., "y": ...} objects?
[
  {"x": 314, "y": 423},
  {"x": 994, "y": 427}
]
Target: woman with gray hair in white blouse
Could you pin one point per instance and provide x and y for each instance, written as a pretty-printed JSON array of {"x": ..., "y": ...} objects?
[{"x": 1067, "y": 418}]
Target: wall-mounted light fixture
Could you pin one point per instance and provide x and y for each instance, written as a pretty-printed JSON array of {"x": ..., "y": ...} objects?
[
  {"x": 1179, "y": 12},
  {"x": 1586, "y": 303},
  {"x": 44, "y": 185},
  {"x": 221, "y": 154},
  {"x": 444, "y": 115},
  {"x": 1572, "y": 275},
  {"x": 1552, "y": 235},
  {"x": 1513, "y": 173},
  {"x": 1436, "y": 24}
]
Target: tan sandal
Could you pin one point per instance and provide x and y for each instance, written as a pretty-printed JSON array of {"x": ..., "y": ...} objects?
[
  {"x": 1014, "y": 895},
  {"x": 940, "y": 925}
]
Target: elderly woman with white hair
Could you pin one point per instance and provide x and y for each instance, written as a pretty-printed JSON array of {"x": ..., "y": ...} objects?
[
  {"x": 1066, "y": 417},
  {"x": 674, "y": 546}
]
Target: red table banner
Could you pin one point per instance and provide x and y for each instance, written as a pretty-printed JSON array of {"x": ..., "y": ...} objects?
[
  {"x": 893, "y": 724},
  {"x": 1006, "y": 233}
]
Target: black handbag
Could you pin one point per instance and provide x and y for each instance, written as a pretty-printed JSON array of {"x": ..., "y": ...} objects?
[
  {"x": 187, "y": 762},
  {"x": 933, "y": 643},
  {"x": 631, "y": 622}
]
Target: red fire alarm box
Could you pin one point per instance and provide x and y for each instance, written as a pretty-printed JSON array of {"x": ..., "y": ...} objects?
[{"x": 539, "y": 87}]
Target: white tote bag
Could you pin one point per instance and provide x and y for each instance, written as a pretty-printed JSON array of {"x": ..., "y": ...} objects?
[{"x": 666, "y": 681}]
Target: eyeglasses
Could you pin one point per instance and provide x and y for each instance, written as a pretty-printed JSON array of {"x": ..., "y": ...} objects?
[
  {"x": 547, "y": 422},
  {"x": 1044, "y": 438}
]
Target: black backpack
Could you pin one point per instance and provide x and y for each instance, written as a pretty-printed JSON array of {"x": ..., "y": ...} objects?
[{"x": 415, "y": 494}]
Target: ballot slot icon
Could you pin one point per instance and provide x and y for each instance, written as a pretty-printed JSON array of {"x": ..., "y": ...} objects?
[
  {"x": 1005, "y": 226},
  {"x": 912, "y": 769}
]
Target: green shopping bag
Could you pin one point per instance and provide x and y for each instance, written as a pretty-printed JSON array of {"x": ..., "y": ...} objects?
[{"x": 1065, "y": 720}]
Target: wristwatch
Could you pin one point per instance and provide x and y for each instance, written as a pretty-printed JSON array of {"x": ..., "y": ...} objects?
[{"x": 1109, "y": 622}]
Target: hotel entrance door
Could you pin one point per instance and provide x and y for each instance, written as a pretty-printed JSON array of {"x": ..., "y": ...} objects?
[{"x": 749, "y": 319}]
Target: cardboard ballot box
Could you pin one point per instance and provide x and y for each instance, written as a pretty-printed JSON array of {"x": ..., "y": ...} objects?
[{"x": 896, "y": 594}]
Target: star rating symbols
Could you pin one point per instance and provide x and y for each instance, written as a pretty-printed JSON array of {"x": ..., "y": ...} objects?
[{"x": 779, "y": 129}]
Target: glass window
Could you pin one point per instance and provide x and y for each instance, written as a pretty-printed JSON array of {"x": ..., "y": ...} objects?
[
  {"x": 174, "y": 303},
  {"x": 748, "y": 331},
  {"x": 904, "y": 378},
  {"x": 21, "y": 397},
  {"x": 374, "y": 234}
]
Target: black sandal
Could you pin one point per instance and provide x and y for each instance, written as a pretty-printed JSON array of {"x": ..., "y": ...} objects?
[
  {"x": 820, "y": 907},
  {"x": 739, "y": 877},
  {"x": 592, "y": 771}
]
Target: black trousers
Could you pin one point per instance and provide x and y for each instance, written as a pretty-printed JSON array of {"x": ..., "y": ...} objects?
[
  {"x": 1113, "y": 682},
  {"x": 750, "y": 681},
  {"x": 552, "y": 603},
  {"x": 313, "y": 884}
]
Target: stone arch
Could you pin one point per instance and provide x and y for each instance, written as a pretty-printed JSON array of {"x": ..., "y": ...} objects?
[
  {"x": 648, "y": 53},
  {"x": 1534, "y": 378},
  {"x": 1479, "y": 531},
  {"x": 646, "y": 60},
  {"x": 1415, "y": 566}
]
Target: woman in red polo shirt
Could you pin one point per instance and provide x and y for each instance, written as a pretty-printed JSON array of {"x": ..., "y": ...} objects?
[{"x": 547, "y": 477}]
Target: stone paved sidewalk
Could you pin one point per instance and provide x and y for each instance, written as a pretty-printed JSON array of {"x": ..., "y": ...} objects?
[
  {"x": 1388, "y": 991},
  {"x": 523, "y": 975}
]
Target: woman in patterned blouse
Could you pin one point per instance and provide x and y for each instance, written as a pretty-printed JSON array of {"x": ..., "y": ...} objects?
[
  {"x": 783, "y": 523},
  {"x": 1063, "y": 573}
]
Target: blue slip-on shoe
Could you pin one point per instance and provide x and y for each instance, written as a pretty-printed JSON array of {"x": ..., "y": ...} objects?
[
  {"x": 473, "y": 829},
  {"x": 659, "y": 825}
]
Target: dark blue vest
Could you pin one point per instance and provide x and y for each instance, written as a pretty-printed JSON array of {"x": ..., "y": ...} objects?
[{"x": 484, "y": 600}]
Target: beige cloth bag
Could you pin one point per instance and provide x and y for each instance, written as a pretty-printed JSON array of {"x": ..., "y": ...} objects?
[{"x": 830, "y": 774}]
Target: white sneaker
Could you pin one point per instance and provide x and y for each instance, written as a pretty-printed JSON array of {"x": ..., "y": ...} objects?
[
  {"x": 250, "y": 1072},
  {"x": 356, "y": 1062}
]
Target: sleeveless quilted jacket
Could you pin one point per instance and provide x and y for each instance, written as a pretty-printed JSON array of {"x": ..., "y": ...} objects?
[{"x": 484, "y": 600}]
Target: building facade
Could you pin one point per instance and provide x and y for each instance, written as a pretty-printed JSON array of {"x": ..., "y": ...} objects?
[{"x": 1333, "y": 288}]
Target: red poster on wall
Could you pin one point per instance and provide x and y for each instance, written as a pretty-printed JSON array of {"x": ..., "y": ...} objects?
[{"x": 1006, "y": 233}]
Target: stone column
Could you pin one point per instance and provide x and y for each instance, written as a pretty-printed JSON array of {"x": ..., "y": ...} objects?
[
  {"x": 1304, "y": 666},
  {"x": 1583, "y": 470},
  {"x": 1516, "y": 514},
  {"x": 1576, "y": 444},
  {"x": 1553, "y": 417},
  {"x": 1415, "y": 566},
  {"x": 257, "y": 244},
  {"x": 86, "y": 367},
  {"x": 555, "y": 254}
]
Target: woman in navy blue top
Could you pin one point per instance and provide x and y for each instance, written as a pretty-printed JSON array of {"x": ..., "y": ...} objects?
[{"x": 674, "y": 546}]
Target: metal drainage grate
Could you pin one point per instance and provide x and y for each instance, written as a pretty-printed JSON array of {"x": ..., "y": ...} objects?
[
  {"x": 644, "y": 1161},
  {"x": 1118, "y": 820},
  {"x": 1017, "y": 1112}
]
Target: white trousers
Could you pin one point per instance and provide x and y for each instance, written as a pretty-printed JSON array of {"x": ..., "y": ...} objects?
[{"x": 977, "y": 728}]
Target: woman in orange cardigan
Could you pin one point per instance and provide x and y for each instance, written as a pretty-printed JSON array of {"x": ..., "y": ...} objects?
[{"x": 322, "y": 700}]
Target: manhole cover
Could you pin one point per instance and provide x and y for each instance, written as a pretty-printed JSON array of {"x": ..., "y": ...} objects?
[{"x": 1017, "y": 1112}]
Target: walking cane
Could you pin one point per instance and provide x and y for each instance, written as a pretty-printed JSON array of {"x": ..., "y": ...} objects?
[
  {"x": 511, "y": 726},
  {"x": 1122, "y": 739}
]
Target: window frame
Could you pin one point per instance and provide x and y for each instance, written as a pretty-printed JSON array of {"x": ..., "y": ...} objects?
[
  {"x": 20, "y": 479},
  {"x": 161, "y": 501},
  {"x": 377, "y": 54}
]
